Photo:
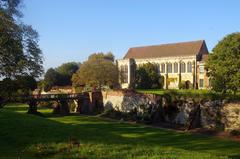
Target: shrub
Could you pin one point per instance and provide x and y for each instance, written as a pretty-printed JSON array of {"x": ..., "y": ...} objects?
[
  {"x": 47, "y": 104},
  {"x": 182, "y": 85},
  {"x": 235, "y": 133}
]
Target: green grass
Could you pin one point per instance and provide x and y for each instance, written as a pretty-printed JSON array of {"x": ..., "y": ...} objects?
[
  {"x": 26, "y": 136},
  {"x": 197, "y": 94}
]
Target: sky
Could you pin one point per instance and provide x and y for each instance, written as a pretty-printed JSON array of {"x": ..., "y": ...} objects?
[{"x": 71, "y": 30}]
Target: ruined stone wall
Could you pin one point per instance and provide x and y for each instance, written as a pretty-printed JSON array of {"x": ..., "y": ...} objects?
[{"x": 184, "y": 111}]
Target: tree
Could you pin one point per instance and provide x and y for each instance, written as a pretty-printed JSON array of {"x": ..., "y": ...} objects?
[
  {"x": 223, "y": 64},
  {"x": 66, "y": 70},
  {"x": 60, "y": 76},
  {"x": 19, "y": 50},
  {"x": 51, "y": 79},
  {"x": 108, "y": 56},
  {"x": 147, "y": 77},
  {"x": 99, "y": 70},
  {"x": 11, "y": 89}
]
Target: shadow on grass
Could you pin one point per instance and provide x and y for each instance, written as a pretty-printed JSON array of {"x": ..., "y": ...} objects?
[{"x": 21, "y": 130}]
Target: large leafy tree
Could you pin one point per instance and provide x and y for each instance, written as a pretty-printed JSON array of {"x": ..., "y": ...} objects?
[
  {"x": 11, "y": 89},
  {"x": 224, "y": 64},
  {"x": 60, "y": 76},
  {"x": 20, "y": 53},
  {"x": 66, "y": 71},
  {"x": 147, "y": 77},
  {"x": 99, "y": 70}
]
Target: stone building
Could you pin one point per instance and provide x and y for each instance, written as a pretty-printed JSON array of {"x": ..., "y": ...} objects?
[{"x": 178, "y": 62}]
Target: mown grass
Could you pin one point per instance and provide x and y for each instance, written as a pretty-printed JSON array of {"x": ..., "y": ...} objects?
[
  {"x": 27, "y": 136},
  {"x": 197, "y": 94}
]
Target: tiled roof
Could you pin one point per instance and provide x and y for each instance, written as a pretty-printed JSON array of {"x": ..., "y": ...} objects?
[{"x": 167, "y": 50}]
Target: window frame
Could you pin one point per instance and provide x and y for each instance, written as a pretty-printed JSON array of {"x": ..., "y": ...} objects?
[
  {"x": 183, "y": 67},
  {"x": 201, "y": 83},
  {"x": 175, "y": 67},
  {"x": 163, "y": 68},
  {"x": 189, "y": 67},
  {"x": 169, "y": 67}
]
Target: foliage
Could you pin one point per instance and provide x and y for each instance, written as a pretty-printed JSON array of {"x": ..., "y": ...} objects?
[
  {"x": 235, "y": 133},
  {"x": 147, "y": 77},
  {"x": 182, "y": 85},
  {"x": 196, "y": 94},
  {"x": 51, "y": 78},
  {"x": 49, "y": 137},
  {"x": 224, "y": 64},
  {"x": 99, "y": 70},
  {"x": 21, "y": 86},
  {"x": 60, "y": 76},
  {"x": 66, "y": 70},
  {"x": 19, "y": 50}
]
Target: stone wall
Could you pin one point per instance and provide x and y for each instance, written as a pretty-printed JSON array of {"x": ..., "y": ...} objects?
[{"x": 183, "y": 111}]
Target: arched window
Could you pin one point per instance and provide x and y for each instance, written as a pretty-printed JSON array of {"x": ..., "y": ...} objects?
[
  {"x": 189, "y": 67},
  {"x": 162, "y": 68},
  {"x": 183, "y": 67},
  {"x": 169, "y": 67},
  {"x": 175, "y": 67},
  {"x": 158, "y": 68}
]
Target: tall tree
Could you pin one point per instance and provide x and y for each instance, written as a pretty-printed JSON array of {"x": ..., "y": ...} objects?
[
  {"x": 60, "y": 76},
  {"x": 99, "y": 70},
  {"x": 66, "y": 70},
  {"x": 19, "y": 50},
  {"x": 51, "y": 78},
  {"x": 224, "y": 64}
]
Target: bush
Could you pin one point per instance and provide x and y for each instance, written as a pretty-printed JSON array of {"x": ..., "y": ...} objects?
[
  {"x": 47, "y": 104},
  {"x": 235, "y": 133},
  {"x": 147, "y": 116},
  {"x": 147, "y": 77},
  {"x": 182, "y": 85}
]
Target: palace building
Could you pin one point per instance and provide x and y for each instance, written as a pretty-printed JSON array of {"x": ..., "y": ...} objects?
[{"x": 177, "y": 63}]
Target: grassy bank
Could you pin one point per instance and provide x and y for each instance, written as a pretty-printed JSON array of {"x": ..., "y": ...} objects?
[
  {"x": 202, "y": 94},
  {"x": 27, "y": 136}
]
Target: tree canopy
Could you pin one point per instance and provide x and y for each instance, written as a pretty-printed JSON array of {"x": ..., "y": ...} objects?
[
  {"x": 60, "y": 76},
  {"x": 99, "y": 70},
  {"x": 20, "y": 53},
  {"x": 10, "y": 89},
  {"x": 224, "y": 64},
  {"x": 147, "y": 77}
]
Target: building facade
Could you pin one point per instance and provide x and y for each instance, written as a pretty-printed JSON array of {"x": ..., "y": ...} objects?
[{"x": 177, "y": 63}]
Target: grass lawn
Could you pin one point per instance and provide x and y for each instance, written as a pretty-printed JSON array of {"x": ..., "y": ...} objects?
[
  {"x": 201, "y": 94},
  {"x": 26, "y": 136}
]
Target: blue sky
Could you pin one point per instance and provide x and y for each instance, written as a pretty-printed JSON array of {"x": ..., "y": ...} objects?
[{"x": 71, "y": 30}]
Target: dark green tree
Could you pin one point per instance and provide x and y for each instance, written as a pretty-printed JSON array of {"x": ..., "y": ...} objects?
[
  {"x": 21, "y": 86},
  {"x": 223, "y": 64},
  {"x": 99, "y": 70},
  {"x": 66, "y": 71},
  {"x": 51, "y": 78},
  {"x": 147, "y": 77},
  {"x": 19, "y": 50}
]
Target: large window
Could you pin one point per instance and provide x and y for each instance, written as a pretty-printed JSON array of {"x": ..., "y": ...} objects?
[
  {"x": 175, "y": 67},
  {"x": 201, "y": 69},
  {"x": 162, "y": 68},
  {"x": 201, "y": 83},
  {"x": 189, "y": 67},
  {"x": 158, "y": 68},
  {"x": 124, "y": 74},
  {"x": 183, "y": 67},
  {"x": 169, "y": 67}
]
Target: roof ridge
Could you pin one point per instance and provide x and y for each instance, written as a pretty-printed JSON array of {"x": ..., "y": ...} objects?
[
  {"x": 195, "y": 41},
  {"x": 164, "y": 50}
]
